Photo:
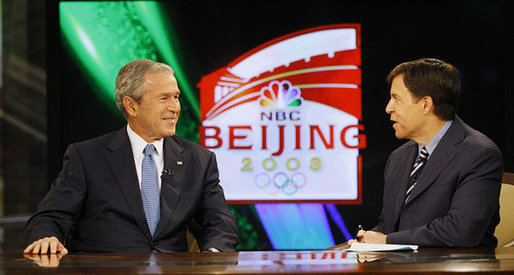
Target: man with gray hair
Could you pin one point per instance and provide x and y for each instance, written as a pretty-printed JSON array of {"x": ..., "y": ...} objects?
[{"x": 137, "y": 189}]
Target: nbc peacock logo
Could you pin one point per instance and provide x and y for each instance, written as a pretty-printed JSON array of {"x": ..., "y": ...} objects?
[
  {"x": 283, "y": 119},
  {"x": 280, "y": 94}
]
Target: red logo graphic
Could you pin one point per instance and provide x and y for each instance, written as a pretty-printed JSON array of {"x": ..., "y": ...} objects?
[{"x": 283, "y": 118}]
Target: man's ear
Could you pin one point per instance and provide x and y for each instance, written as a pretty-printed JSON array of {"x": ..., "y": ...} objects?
[
  {"x": 428, "y": 104},
  {"x": 130, "y": 106}
]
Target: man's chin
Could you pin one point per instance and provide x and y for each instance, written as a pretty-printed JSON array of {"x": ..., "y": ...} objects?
[
  {"x": 168, "y": 132},
  {"x": 171, "y": 132}
]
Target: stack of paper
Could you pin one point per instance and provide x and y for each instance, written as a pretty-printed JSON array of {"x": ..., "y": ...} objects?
[{"x": 369, "y": 247}]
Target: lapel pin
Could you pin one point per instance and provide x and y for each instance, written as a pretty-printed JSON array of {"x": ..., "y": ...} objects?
[{"x": 179, "y": 162}]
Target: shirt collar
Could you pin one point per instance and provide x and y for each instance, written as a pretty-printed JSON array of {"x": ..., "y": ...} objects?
[
  {"x": 138, "y": 143},
  {"x": 435, "y": 140}
]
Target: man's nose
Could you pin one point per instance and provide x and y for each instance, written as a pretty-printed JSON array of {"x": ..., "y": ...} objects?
[
  {"x": 174, "y": 105},
  {"x": 389, "y": 108}
]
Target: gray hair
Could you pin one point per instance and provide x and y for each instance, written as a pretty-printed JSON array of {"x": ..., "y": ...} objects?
[{"x": 131, "y": 80}]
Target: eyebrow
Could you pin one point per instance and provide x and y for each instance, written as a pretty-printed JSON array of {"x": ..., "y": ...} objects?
[{"x": 161, "y": 93}]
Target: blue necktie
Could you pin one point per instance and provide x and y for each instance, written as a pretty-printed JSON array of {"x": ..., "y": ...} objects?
[{"x": 150, "y": 189}]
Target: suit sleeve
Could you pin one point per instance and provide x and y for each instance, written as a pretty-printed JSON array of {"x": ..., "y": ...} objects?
[
  {"x": 61, "y": 205},
  {"x": 219, "y": 225},
  {"x": 472, "y": 208}
]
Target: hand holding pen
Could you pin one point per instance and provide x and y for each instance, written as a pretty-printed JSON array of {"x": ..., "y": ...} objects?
[
  {"x": 360, "y": 233},
  {"x": 370, "y": 236},
  {"x": 358, "y": 236}
]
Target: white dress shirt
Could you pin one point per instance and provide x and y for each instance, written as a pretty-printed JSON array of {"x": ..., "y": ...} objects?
[
  {"x": 138, "y": 146},
  {"x": 435, "y": 140}
]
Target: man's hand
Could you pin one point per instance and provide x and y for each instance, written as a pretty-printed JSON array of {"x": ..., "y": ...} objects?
[
  {"x": 350, "y": 242},
  {"x": 371, "y": 237},
  {"x": 50, "y": 245}
]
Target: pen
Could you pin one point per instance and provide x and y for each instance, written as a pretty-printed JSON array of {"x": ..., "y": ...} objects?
[{"x": 359, "y": 228}]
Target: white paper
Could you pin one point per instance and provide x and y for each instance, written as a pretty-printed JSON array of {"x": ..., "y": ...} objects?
[{"x": 369, "y": 247}]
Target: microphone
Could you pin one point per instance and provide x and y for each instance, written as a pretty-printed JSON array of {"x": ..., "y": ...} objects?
[{"x": 167, "y": 172}]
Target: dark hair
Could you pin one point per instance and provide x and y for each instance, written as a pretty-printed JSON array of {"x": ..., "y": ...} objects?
[
  {"x": 131, "y": 80},
  {"x": 434, "y": 78}
]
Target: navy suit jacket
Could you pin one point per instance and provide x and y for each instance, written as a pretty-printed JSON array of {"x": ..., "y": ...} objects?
[
  {"x": 455, "y": 201},
  {"x": 95, "y": 204}
]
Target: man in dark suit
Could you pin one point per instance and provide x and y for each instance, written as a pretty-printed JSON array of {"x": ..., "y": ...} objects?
[
  {"x": 137, "y": 189},
  {"x": 441, "y": 187}
]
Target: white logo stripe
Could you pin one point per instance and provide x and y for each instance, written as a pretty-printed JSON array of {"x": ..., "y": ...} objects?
[{"x": 255, "y": 83}]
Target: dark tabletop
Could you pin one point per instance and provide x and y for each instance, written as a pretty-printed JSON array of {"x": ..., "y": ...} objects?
[{"x": 425, "y": 260}]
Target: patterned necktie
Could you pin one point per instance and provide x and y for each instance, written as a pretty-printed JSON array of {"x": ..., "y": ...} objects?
[
  {"x": 150, "y": 189},
  {"x": 416, "y": 171}
]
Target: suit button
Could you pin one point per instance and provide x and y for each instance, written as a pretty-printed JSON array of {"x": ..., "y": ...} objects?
[{"x": 155, "y": 243}]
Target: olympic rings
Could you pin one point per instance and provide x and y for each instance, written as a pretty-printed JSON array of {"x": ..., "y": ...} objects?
[
  {"x": 263, "y": 181},
  {"x": 299, "y": 179},
  {"x": 280, "y": 182}
]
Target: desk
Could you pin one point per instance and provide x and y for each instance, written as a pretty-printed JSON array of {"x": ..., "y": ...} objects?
[{"x": 440, "y": 261}]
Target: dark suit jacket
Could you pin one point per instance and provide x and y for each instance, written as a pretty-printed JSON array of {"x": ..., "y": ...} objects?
[
  {"x": 455, "y": 201},
  {"x": 95, "y": 204}
]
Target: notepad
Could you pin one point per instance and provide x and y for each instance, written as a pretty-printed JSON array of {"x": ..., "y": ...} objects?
[{"x": 373, "y": 247}]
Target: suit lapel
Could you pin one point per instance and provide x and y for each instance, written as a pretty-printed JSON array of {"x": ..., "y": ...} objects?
[
  {"x": 403, "y": 175},
  {"x": 121, "y": 161},
  {"x": 176, "y": 164},
  {"x": 442, "y": 155}
]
